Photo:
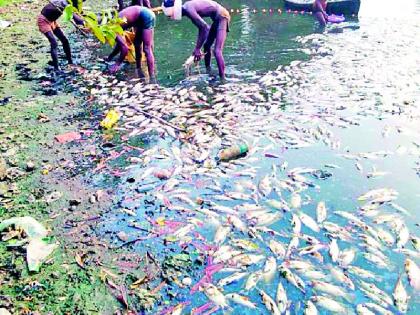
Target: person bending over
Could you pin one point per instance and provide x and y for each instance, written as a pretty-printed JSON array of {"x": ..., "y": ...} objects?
[
  {"x": 47, "y": 25},
  {"x": 143, "y": 21},
  {"x": 196, "y": 11}
]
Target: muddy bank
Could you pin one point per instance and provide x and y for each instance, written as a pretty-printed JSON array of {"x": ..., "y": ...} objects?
[{"x": 45, "y": 179}]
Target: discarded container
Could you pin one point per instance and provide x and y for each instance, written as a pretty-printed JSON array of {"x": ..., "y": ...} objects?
[
  {"x": 110, "y": 120},
  {"x": 232, "y": 152}
]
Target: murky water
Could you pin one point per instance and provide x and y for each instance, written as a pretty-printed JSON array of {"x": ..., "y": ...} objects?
[{"x": 364, "y": 73}]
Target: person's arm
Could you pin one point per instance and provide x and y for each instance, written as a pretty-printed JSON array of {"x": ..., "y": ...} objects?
[
  {"x": 203, "y": 31},
  {"x": 78, "y": 19},
  {"x": 123, "y": 53}
]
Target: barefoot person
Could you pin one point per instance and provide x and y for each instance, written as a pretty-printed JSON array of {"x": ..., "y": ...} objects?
[
  {"x": 142, "y": 3},
  {"x": 143, "y": 21},
  {"x": 47, "y": 25},
  {"x": 319, "y": 11},
  {"x": 196, "y": 10}
]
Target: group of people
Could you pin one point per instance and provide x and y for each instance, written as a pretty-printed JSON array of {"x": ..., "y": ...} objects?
[{"x": 140, "y": 17}]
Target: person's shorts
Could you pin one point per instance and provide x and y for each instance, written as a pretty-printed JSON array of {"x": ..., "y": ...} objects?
[
  {"x": 224, "y": 14},
  {"x": 46, "y": 26},
  {"x": 147, "y": 19}
]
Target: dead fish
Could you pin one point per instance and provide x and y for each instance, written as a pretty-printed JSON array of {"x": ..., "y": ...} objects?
[
  {"x": 292, "y": 278},
  {"x": 293, "y": 244},
  {"x": 321, "y": 212},
  {"x": 237, "y": 223},
  {"x": 375, "y": 293},
  {"x": 277, "y": 248},
  {"x": 252, "y": 280},
  {"x": 362, "y": 273},
  {"x": 403, "y": 236},
  {"x": 329, "y": 304},
  {"x": 334, "y": 251},
  {"x": 296, "y": 224},
  {"x": 281, "y": 298},
  {"x": 278, "y": 205},
  {"x": 341, "y": 277},
  {"x": 379, "y": 193},
  {"x": 309, "y": 222},
  {"x": 215, "y": 295},
  {"x": 269, "y": 303},
  {"x": 232, "y": 278},
  {"x": 221, "y": 233},
  {"x": 331, "y": 289},
  {"x": 311, "y": 249},
  {"x": 400, "y": 296},
  {"x": 378, "y": 309},
  {"x": 241, "y": 300},
  {"x": 362, "y": 309},
  {"x": 244, "y": 244},
  {"x": 310, "y": 308},
  {"x": 295, "y": 201},
  {"x": 247, "y": 259},
  {"x": 413, "y": 273},
  {"x": 270, "y": 268},
  {"x": 264, "y": 186},
  {"x": 346, "y": 257}
]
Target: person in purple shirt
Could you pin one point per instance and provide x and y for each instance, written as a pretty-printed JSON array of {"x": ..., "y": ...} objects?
[{"x": 196, "y": 11}]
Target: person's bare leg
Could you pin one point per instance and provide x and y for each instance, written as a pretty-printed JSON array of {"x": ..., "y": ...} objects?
[
  {"x": 138, "y": 43},
  {"x": 53, "y": 51},
  {"x": 65, "y": 42},
  {"x": 148, "y": 43},
  {"x": 218, "y": 48},
  {"x": 321, "y": 19},
  {"x": 207, "y": 46}
]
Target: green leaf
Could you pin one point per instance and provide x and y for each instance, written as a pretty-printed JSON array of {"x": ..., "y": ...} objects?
[
  {"x": 68, "y": 13},
  {"x": 91, "y": 16}
]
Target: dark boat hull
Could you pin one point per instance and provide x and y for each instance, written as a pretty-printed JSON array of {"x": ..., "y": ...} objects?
[{"x": 346, "y": 7}]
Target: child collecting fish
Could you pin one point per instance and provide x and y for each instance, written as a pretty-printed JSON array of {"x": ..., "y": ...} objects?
[
  {"x": 47, "y": 25},
  {"x": 196, "y": 10},
  {"x": 143, "y": 21}
]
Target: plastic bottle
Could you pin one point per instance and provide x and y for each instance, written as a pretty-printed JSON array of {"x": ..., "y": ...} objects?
[
  {"x": 232, "y": 152},
  {"x": 110, "y": 120}
]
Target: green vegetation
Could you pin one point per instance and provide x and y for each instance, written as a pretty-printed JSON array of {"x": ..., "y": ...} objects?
[{"x": 105, "y": 28}]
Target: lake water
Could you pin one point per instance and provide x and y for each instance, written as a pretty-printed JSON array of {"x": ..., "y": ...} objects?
[{"x": 364, "y": 72}]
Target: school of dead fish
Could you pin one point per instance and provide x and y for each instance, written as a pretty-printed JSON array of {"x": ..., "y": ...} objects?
[{"x": 315, "y": 259}]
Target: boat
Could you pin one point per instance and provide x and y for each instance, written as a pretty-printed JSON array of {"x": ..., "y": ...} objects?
[{"x": 337, "y": 7}]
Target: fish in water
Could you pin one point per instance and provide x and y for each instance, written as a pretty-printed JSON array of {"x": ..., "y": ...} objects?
[
  {"x": 242, "y": 300},
  {"x": 269, "y": 303},
  {"x": 400, "y": 296}
]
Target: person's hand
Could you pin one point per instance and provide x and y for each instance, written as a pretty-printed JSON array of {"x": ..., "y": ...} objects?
[
  {"x": 114, "y": 68},
  {"x": 197, "y": 55}
]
